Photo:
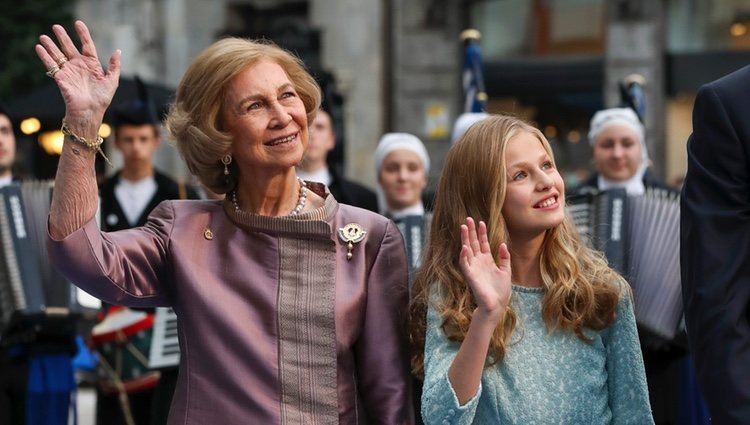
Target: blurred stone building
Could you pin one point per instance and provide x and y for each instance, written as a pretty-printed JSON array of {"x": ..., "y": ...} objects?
[{"x": 395, "y": 65}]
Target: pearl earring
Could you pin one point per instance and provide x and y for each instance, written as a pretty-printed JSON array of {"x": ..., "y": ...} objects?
[{"x": 226, "y": 160}]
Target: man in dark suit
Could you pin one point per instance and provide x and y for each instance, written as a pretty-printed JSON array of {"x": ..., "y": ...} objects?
[
  {"x": 315, "y": 168},
  {"x": 715, "y": 238}
]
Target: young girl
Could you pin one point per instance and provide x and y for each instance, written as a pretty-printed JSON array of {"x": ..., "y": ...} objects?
[{"x": 519, "y": 321}]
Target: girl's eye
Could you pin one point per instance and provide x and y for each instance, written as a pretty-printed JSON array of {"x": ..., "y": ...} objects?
[
  {"x": 519, "y": 176},
  {"x": 547, "y": 165}
]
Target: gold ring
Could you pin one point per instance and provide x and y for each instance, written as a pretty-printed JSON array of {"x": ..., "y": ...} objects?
[
  {"x": 61, "y": 61},
  {"x": 53, "y": 70}
]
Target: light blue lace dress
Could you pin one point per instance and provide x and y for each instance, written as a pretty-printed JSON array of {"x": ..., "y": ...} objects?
[{"x": 545, "y": 378}]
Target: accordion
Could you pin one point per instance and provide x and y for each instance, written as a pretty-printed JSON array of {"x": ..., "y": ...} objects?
[
  {"x": 165, "y": 344},
  {"x": 29, "y": 285},
  {"x": 640, "y": 237}
]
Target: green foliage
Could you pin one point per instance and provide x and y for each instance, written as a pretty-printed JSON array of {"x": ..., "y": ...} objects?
[{"x": 21, "y": 24}]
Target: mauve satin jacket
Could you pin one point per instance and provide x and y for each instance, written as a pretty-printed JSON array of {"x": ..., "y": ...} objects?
[{"x": 222, "y": 271}]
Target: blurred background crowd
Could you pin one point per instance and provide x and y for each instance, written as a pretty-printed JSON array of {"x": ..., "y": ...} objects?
[
  {"x": 396, "y": 75},
  {"x": 396, "y": 65}
]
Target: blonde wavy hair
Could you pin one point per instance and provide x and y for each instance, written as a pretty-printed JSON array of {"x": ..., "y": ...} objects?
[
  {"x": 581, "y": 290},
  {"x": 194, "y": 121}
]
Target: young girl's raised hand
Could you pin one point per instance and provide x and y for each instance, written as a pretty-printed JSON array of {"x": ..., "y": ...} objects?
[{"x": 490, "y": 281}]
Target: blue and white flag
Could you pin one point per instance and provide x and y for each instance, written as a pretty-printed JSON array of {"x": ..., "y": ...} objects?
[
  {"x": 473, "y": 79},
  {"x": 633, "y": 95}
]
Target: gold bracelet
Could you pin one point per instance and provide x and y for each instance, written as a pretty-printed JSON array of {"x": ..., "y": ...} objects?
[{"x": 92, "y": 145}]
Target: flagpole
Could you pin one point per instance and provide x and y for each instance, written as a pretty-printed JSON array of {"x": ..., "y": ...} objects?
[{"x": 475, "y": 94}]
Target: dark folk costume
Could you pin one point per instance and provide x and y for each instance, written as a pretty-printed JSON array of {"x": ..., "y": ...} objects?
[
  {"x": 112, "y": 215},
  {"x": 148, "y": 406}
]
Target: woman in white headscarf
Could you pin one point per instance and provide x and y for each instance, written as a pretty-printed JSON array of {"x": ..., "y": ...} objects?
[
  {"x": 402, "y": 165},
  {"x": 463, "y": 122},
  {"x": 620, "y": 154}
]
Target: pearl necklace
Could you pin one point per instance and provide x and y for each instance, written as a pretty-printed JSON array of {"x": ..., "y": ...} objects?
[{"x": 301, "y": 200}]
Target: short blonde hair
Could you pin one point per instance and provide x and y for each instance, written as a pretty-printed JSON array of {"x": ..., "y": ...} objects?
[{"x": 194, "y": 120}]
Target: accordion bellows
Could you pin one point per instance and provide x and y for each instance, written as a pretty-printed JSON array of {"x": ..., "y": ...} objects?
[
  {"x": 640, "y": 237},
  {"x": 29, "y": 285}
]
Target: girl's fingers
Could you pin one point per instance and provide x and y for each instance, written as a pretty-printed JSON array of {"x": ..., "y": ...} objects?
[
  {"x": 473, "y": 240},
  {"x": 463, "y": 256},
  {"x": 87, "y": 44},
  {"x": 66, "y": 44},
  {"x": 464, "y": 235},
  {"x": 484, "y": 243},
  {"x": 503, "y": 256}
]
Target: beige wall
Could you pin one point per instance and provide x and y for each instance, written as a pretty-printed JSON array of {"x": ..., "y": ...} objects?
[{"x": 678, "y": 128}]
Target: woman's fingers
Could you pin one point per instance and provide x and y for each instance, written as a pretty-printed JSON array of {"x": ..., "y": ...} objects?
[
  {"x": 87, "y": 43},
  {"x": 44, "y": 56},
  {"x": 66, "y": 44},
  {"x": 54, "y": 52},
  {"x": 113, "y": 68}
]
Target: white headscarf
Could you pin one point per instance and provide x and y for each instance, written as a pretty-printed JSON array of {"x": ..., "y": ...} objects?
[
  {"x": 394, "y": 141},
  {"x": 464, "y": 121},
  {"x": 628, "y": 118}
]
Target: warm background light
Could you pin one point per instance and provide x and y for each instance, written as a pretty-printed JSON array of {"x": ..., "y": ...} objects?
[
  {"x": 738, "y": 29},
  {"x": 550, "y": 132},
  {"x": 105, "y": 130},
  {"x": 52, "y": 142},
  {"x": 30, "y": 125},
  {"x": 574, "y": 136}
]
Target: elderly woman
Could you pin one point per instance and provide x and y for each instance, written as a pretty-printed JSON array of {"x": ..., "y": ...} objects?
[
  {"x": 290, "y": 306},
  {"x": 402, "y": 164}
]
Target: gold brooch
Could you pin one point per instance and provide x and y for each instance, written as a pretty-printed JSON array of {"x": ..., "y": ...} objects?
[
  {"x": 208, "y": 234},
  {"x": 351, "y": 234}
]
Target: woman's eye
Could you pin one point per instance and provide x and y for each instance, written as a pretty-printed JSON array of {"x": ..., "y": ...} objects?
[
  {"x": 288, "y": 94},
  {"x": 547, "y": 165},
  {"x": 252, "y": 106}
]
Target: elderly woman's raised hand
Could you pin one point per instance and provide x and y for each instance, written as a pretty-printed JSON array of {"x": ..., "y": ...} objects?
[{"x": 85, "y": 86}]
